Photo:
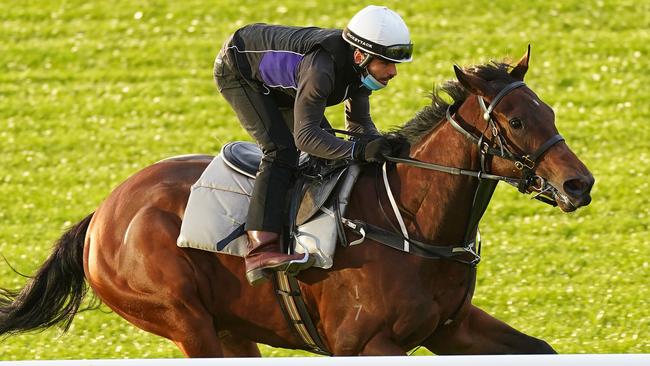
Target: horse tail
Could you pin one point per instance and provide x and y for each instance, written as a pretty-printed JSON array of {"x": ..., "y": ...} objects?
[{"x": 53, "y": 295}]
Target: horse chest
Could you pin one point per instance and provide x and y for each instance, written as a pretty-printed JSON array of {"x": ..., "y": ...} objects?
[{"x": 397, "y": 307}]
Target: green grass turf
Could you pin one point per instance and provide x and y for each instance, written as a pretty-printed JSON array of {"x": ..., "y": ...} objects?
[{"x": 92, "y": 91}]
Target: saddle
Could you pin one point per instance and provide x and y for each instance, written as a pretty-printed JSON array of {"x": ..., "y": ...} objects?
[
  {"x": 316, "y": 181},
  {"x": 218, "y": 205}
]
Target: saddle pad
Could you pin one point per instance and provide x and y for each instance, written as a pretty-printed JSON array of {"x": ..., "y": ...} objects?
[
  {"x": 216, "y": 212},
  {"x": 216, "y": 208}
]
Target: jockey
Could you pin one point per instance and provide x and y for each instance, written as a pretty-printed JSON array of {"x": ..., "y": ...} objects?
[{"x": 279, "y": 80}]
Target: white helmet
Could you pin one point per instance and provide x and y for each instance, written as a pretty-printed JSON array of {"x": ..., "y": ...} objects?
[{"x": 380, "y": 31}]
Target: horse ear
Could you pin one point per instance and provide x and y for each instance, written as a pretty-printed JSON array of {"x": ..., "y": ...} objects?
[
  {"x": 522, "y": 66},
  {"x": 473, "y": 83}
]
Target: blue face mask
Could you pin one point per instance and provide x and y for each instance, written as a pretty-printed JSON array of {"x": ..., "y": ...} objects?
[{"x": 371, "y": 83}]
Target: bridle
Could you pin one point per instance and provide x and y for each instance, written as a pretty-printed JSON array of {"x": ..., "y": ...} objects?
[
  {"x": 526, "y": 163},
  {"x": 471, "y": 245}
]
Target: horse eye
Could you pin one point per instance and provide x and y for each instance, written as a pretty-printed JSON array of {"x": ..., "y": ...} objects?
[{"x": 516, "y": 123}]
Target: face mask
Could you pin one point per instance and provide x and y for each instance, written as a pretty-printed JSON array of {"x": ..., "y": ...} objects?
[{"x": 371, "y": 83}]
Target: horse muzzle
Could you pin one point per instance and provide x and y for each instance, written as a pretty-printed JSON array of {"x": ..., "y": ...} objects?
[{"x": 574, "y": 193}]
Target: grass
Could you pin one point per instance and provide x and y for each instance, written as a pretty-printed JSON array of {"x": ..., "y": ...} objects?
[{"x": 90, "y": 92}]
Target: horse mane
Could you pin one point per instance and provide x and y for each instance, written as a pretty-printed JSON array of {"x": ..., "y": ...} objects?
[{"x": 434, "y": 114}]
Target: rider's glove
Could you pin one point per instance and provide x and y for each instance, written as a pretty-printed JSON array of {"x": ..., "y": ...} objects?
[
  {"x": 373, "y": 151},
  {"x": 399, "y": 145}
]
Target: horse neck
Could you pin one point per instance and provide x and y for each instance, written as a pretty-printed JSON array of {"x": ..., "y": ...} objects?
[{"x": 439, "y": 203}]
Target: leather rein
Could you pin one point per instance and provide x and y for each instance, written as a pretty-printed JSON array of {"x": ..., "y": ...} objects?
[
  {"x": 471, "y": 245},
  {"x": 526, "y": 163}
]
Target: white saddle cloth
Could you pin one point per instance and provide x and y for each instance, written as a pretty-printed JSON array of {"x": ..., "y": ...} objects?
[{"x": 217, "y": 209}]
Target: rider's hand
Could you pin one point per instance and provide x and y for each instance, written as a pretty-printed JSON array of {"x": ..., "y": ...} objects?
[
  {"x": 400, "y": 146},
  {"x": 373, "y": 151}
]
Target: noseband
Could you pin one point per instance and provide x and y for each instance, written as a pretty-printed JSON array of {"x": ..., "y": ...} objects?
[{"x": 527, "y": 163}]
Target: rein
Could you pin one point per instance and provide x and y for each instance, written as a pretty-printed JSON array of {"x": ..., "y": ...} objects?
[
  {"x": 482, "y": 195},
  {"x": 527, "y": 163}
]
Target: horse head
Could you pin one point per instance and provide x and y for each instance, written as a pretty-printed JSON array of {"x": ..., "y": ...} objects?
[{"x": 518, "y": 129}]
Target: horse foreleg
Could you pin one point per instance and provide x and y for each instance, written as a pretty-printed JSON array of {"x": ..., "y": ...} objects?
[
  {"x": 481, "y": 333},
  {"x": 203, "y": 343},
  {"x": 382, "y": 345},
  {"x": 236, "y": 346}
]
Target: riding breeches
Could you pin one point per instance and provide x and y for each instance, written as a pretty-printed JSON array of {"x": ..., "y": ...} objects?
[{"x": 271, "y": 127}]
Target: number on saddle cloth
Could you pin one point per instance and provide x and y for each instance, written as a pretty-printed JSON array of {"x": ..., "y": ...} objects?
[{"x": 218, "y": 205}]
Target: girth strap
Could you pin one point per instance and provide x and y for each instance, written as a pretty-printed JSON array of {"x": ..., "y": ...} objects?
[{"x": 295, "y": 311}]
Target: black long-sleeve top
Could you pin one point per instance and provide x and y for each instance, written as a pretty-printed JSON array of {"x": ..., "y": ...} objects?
[{"x": 308, "y": 69}]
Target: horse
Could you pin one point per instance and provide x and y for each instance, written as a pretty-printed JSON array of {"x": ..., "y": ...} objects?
[{"x": 375, "y": 300}]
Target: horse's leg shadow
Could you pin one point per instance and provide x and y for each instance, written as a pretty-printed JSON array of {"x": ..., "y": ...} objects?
[{"x": 481, "y": 333}]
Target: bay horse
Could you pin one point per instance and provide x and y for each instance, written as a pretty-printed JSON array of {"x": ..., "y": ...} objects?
[{"x": 375, "y": 300}]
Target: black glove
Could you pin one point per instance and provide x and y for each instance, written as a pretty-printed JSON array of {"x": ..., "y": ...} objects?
[
  {"x": 399, "y": 145},
  {"x": 373, "y": 151}
]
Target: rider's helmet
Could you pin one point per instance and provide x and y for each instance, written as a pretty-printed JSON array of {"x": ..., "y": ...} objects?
[{"x": 381, "y": 32}]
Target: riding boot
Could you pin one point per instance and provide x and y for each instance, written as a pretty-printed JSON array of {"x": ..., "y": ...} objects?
[{"x": 265, "y": 256}]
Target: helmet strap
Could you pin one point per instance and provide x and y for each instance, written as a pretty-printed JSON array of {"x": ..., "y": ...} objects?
[
  {"x": 367, "y": 57},
  {"x": 367, "y": 79}
]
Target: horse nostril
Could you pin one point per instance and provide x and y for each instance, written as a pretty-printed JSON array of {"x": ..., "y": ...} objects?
[{"x": 578, "y": 187}]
